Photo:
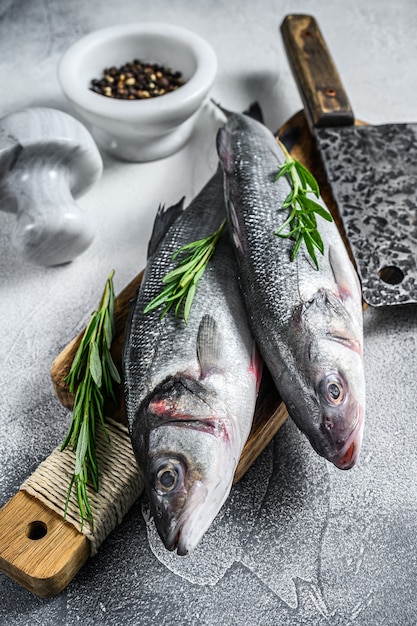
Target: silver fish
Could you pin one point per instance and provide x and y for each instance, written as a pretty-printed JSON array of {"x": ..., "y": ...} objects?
[
  {"x": 190, "y": 389},
  {"x": 307, "y": 323}
]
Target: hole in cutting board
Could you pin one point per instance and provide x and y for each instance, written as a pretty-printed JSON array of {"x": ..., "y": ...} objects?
[
  {"x": 391, "y": 275},
  {"x": 36, "y": 530}
]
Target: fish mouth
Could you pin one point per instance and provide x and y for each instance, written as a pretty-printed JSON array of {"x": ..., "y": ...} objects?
[
  {"x": 212, "y": 426},
  {"x": 347, "y": 457},
  {"x": 174, "y": 539},
  {"x": 186, "y": 531},
  {"x": 176, "y": 543}
]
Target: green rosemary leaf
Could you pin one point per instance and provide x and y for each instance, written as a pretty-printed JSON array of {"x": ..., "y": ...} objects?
[
  {"x": 76, "y": 422},
  {"x": 159, "y": 299},
  {"x": 189, "y": 301},
  {"x": 99, "y": 404},
  {"x": 301, "y": 176},
  {"x": 104, "y": 302},
  {"x": 110, "y": 310},
  {"x": 70, "y": 378},
  {"x": 292, "y": 234},
  {"x": 113, "y": 371},
  {"x": 166, "y": 309},
  {"x": 68, "y": 437},
  {"x": 92, "y": 465},
  {"x": 179, "y": 303},
  {"x": 298, "y": 242},
  {"x": 309, "y": 242},
  {"x": 92, "y": 374},
  {"x": 288, "y": 200},
  {"x": 324, "y": 213},
  {"x": 88, "y": 334},
  {"x": 95, "y": 363},
  {"x": 307, "y": 219},
  {"x": 88, "y": 514},
  {"x": 180, "y": 270},
  {"x": 177, "y": 294},
  {"x": 307, "y": 177},
  {"x": 317, "y": 240},
  {"x": 107, "y": 380},
  {"x": 199, "y": 273},
  {"x": 73, "y": 433},
  {"x": 68, "y": 494},
  {"x": 187, "y": 246},
  {"x": 81, "y": 447},
  {"x": 285, "y": 224},
  {"x": 315, "y": 207},
  {"x": 107, "y": 328},
  {"x": 98, "y": 399},
  {"x": 283, "y": 169},
  {"x": 181, "y": 282},
  {"x": 302, "y": 221}
]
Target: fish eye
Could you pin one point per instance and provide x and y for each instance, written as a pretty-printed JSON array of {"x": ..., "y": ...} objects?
[
  {"x": 332, "y": 389},
  {"x": 168, "y": 476}
]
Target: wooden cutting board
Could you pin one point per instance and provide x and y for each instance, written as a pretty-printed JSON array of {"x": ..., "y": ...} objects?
[{"x": 41, "y": 551}]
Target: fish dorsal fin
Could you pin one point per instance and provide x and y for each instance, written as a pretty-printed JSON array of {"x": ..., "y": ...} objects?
[
  {"x": 163, "y": 221},
  {"x": 208, "y": 345},
  {"x": 254, "y": 110}
]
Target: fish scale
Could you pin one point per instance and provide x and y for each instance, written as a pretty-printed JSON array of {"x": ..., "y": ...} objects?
[
  {"x": 280, "y": 295},
  {"x": 190, "y": 388}
]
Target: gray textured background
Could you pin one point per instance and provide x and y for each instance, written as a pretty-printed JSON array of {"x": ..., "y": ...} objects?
[{"x": 298, "y": 542}]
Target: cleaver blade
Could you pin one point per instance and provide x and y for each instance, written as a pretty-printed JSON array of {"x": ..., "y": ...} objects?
[{"x": 371, "y": 170}]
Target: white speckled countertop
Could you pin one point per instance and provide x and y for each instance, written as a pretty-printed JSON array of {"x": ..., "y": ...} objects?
[{"x": 298, "y": 543}]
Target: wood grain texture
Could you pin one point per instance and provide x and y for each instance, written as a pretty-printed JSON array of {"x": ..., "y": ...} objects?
[
  {"x": 37, "y": 548},
  {"x": 319, "y": 83}
]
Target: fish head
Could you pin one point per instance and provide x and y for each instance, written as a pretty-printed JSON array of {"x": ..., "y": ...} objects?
[
  {"x": 330, "y": 407},
  {"x": 188, "y": 459},
  {"x": 340, "y": 394}
]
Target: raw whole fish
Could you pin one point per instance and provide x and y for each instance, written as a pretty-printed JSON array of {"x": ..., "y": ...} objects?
[
  {"x": 190, "y": 389},
  {"x": 307, "y": 322}
]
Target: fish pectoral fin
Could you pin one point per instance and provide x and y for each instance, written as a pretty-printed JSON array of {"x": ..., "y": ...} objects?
[
  {"x": 322, "y": 310},
  {"x": 327, "y": 311},
  {"x": 346, "y": 280},
  {"x": 256, "y": 365},
  {"x": 208, "y": 345},
  {"x": 164, "y": 219}
]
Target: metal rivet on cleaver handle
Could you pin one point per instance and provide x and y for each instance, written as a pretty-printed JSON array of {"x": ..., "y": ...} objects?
[{"x": 372, "y": 170}]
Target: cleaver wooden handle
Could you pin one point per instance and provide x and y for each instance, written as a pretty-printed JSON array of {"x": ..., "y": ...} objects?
[{"x": 321, "y": 89}]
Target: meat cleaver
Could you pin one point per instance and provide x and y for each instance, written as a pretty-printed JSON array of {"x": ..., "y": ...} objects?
[{"x": 372, "y": 170}]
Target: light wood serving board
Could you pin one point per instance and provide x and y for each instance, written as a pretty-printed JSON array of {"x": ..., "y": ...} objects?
[{"x": 38, "y": 549}]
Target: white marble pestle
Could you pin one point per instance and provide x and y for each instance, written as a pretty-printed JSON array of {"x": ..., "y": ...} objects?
[{"x": 47, "y": 158}]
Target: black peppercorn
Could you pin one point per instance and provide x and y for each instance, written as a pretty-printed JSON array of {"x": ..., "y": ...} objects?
[{"x": 137, "y": 80}]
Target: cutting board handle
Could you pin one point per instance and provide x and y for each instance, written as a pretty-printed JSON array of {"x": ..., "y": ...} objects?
[{"x": 320, "y": 87}]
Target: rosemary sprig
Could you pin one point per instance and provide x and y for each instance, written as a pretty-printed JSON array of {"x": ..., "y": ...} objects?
[
  {"x": 91, "y": 378},
  {"x": 302, "y": 220},
  {"x": 181, "y": 282}
]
